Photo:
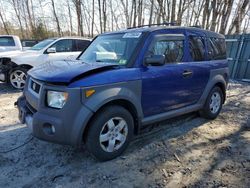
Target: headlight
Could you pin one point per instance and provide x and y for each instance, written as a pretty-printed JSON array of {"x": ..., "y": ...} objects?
[{"x": 56, "y": 99}]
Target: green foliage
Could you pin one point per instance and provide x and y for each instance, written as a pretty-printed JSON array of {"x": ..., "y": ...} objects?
[{"x": 40, "y": 32}]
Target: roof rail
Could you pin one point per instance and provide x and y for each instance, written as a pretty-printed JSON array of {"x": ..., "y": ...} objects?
[
  {"x": 149, "y": 25},
  {"x": 196, "y": 26}
]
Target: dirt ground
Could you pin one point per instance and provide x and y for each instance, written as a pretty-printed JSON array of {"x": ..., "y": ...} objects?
[{"x": 184, "y": 152}]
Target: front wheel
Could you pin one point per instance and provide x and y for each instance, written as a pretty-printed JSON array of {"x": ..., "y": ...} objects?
[
  {"x": 213, "y": 104},
  {"x": 17, "y": 77},
  {"x": 109, "y": 133}
]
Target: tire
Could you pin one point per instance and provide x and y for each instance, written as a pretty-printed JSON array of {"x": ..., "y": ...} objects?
[
  {"x": 106, "y": 140},
  {"x": 17, "y": 77},
  {"x": 213, "y": 104}
]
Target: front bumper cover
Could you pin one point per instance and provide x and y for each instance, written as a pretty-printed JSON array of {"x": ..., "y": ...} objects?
[{"x": 68, "y": 127}]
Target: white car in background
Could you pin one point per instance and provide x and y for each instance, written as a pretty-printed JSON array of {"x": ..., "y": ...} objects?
[
  {"x": 10, "y": 43},
  {"x": 14, "y": 65}
]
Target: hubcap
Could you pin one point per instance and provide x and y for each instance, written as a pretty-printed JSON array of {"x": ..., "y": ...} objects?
[
  {"x": 215, "y": 102},
  {"x": 113, "y": 134},
  {"x": 17, "y": 79}
]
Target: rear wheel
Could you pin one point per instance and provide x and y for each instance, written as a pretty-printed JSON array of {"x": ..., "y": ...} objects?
[
  {"x": 213, "y": 104},
  {"x": 109, "y": 133},
  {"x": 17, "y": 77}
]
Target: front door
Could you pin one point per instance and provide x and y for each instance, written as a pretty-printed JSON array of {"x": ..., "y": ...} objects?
[{"x": 169, "y": 86}]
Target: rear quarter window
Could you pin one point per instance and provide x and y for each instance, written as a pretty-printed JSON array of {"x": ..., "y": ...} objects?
[{"x": 216, "y": 48}]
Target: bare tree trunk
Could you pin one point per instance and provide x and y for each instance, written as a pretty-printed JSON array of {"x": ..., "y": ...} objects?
[
  {"x": 24, "y": 16},
  {"x": 78, "y": 8},
  {"x": 139, "y": 10},
  {"x": 30, "y": 17},
  {"x": 104, "y": 12},
  {"x": 56, "y": 18},
  {"x": 44, "y": 22},
  {"x": 151, "y": 12},
  {"x": 93, "y": 18},
  {"x": 197, "y": 15},
  {"x": 4, "y": 23},
  {"x": 192, "y": 14},
  {"x": 100, "y": 15},
  {"x": 173, "y": 11},
  {"x": 238, "y": 17},
  {"x": 135, "y": 15},
  {"x": 216, "y": 6},
  {"x": 125, "y": 8},
  {"x": 205, "y": 13},
  {"x": 70, "y": 18},
  {"x": 16, "y": 7},
  {"x": 112, "y": 15}
]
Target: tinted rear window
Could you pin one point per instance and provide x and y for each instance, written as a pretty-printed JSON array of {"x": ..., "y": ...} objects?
[
  {"x": 81, "y": 45},
  {"x": 197, "y": 48},
  {"x": 7, "y": 41},
  {"x": 216, "y": 49}
]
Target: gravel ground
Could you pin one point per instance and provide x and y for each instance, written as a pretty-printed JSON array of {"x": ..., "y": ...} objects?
[{"x": 184, "y": 152}]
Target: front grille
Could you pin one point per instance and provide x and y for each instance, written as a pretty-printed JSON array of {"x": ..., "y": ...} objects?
[{"x": 34, "y": 86}]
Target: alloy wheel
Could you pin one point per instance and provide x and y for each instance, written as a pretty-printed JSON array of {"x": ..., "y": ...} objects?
[
  {"x": 17, "y": 79},
  {"x": 113, "y": 134}
]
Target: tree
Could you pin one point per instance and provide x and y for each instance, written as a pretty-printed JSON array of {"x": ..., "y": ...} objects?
[{"x": 56, "y": 18}]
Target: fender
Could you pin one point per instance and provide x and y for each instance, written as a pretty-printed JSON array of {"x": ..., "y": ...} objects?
[
  {"x": 129, "y": 91},
  {"x": 217, "y": 76}
]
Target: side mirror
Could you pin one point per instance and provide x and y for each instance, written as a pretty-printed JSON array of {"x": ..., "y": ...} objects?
[
  {"x": 51, "y": 50},
  {"x": 155, "y": 60}
]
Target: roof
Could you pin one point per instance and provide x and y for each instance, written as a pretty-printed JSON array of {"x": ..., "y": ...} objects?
[
  {"x": 169, "y": 28},
  {"x": 8, "y": 36},
  {"x": 74, "y": 37}
]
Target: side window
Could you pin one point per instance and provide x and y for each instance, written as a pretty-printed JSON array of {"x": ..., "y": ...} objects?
[
  {"x": 80, "y": 45},
  {"x": 172, "y": 49},
  {"x": 197, "y": 48},
  {"x": 216, "y": 49},
  {"x": 7, "y": 41},
  {"x": 65, "y": 45}
]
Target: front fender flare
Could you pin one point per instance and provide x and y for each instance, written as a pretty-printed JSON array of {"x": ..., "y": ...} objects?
[{"x": 129, "y": 91}]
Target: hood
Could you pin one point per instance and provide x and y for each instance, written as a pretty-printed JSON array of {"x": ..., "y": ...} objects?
[
  {"x": 67, "y": 71},
  {"x": 18, "y": 54}
]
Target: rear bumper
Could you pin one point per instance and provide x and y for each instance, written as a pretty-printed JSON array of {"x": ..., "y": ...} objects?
[{"x": 65, "y": 128}]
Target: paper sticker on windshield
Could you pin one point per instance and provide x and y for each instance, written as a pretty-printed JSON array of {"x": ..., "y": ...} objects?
[
  {"x": 122, "y": 62},
  {"x": 132, "y": 35}
]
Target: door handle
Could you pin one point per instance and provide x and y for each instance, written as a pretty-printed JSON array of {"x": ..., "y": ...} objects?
[{"x": 187, "y": 73}]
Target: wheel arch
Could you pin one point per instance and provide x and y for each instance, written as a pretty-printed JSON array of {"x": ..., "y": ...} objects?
[
  {"x": 223, "y": 89},
  {"x": 217, "y": 80},
  {"x": 128, "y": 105}
]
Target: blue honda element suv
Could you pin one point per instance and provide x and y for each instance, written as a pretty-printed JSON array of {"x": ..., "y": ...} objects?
[{"x": 123, "y": 82}]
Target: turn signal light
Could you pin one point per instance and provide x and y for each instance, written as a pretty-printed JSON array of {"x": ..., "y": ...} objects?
[{"x": 90, "y": 92}]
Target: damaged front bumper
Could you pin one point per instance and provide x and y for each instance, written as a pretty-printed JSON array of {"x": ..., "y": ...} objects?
[
  {"x": 3, "y": 76},
  {"x": 63, "y": 126}
]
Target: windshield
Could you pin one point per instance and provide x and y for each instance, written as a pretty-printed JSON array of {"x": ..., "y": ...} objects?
[
  {"x": 42, "y": 44},
  {"x": 112, "y": 48}
]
